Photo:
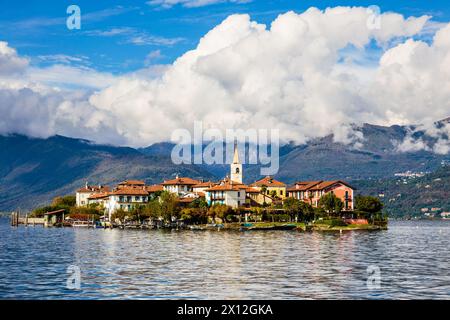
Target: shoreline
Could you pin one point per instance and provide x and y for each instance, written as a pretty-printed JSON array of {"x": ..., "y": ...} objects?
[{"x": 263, "y": 226}]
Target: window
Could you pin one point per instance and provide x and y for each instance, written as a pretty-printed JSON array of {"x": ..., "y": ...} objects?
[
  {"x": 281, "y": 192},
  {"x": 137, "y": 198},
  {"x": 239, "y": 194},
  {"x": 237, "y": 170}
]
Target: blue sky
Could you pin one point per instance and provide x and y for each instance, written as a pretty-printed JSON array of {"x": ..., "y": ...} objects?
[{"x": 123, "y": 36}]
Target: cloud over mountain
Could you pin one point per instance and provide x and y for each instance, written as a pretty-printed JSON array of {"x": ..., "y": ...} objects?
[{"x": 305, "y": 74}]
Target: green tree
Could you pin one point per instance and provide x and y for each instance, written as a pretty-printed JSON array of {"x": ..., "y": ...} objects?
[
  {"x": 307, "y": 211},
  {"x": 368, "y": 204},
  {"x": 69, "y": 201},
  {"x": 120, "y": 215},
  {"x": 292, "y": 207},
  {"x": 169, "y": 205},
  {"x": 331, "y": 204},
  {"x": 199, "y": 203},
  {"x": 219, "y": 211}
]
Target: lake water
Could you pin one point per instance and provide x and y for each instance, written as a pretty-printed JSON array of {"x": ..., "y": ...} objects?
[{"x": 412, "y": 257}]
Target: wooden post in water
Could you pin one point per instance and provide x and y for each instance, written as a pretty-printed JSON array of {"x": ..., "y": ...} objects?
[{"x": 14, "y": 219}]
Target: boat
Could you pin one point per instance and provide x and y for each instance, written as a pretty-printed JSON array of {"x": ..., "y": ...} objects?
[
  {"x": 81, "y": 224},
  {"x": 285, "y": 227},
  {"x": 197, "y": 228},
  {"x": 270, "y": 228},
  {"x": 98, "y": 225}
]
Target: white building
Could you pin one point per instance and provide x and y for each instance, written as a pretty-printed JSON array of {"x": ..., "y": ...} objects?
[
  {"x": 236, "y": 167},
  {"x": 83, "y": 194},
  {"x": 180, "y": 186},
  {"x": 227, "y": 193},
  {"x": 202, "y": 186},
  {"x": 125, "y": 199},
  {"x": 230, "y": 191}
]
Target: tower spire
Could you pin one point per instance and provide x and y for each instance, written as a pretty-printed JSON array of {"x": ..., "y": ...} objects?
[
  {"x": 236, "y": 166},
  {"x": 236, "y": 153}
]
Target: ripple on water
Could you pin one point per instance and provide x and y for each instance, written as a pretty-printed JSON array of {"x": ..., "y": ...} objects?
[{"x": 115, "y": 264}]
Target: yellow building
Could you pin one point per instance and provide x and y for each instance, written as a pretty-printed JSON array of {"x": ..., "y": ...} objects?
[{"x": 271, "y": 187}]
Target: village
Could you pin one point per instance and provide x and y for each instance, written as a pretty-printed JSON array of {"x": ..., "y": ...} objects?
[
  {"x": 183, "y": 202},
  {"x": 230, "y": 194}
]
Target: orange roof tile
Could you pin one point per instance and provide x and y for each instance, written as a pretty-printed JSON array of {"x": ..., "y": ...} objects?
[
  {"x": 227, "y": 187},
  {"x": 268, "y": 182},
  {"x": 316, "y": 185},
  {"x": 130, "y": 192},
  {"x": 154, "y": 188},
  {"x": 99, "y": 196},
  {"x": 180, "y": 181},
  {"x": 207, "y": 184},
  {"x": 90, "y": 189}
]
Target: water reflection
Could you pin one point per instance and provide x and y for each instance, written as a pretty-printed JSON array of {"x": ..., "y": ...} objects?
[{"x": 412, "y": 256}]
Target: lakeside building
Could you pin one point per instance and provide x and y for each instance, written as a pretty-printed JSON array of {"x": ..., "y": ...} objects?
[
  {"x": 83, "y": 194},
  {"x": 180, "y": 185},
  {"x": 312, "y": 191},
  {"x": 271, "y": 187},
  {"x": 201, "y": 187},
  {"x": 230, "y": 191}
]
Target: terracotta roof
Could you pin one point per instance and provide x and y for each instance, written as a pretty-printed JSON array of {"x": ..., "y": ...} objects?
[
  {"x": 132, "y": 183},
  {"x": 180, "y": 181},
  {"x": 99, "y": 195},
  {"x": 130, "y": 192},
  {"x": 154, "y": 188},
  {"x": 228, "y": 180},
  {"x": 303, "y": 185},
  {"x": 54, "y": 212},
  {"x": 227, "y": 187},
  {"x": 316, "y": 185},
  {"x": 252, "y": 190},
  {"x": 268, "y": 182},
  {"x": 207, "y": 184},
  {"x": 90, "y": 189},
  {"x": 326, "y": 184}
]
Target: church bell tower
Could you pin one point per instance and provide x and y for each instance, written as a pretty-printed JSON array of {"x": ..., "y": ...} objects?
[{"x": 236, "y": 166}]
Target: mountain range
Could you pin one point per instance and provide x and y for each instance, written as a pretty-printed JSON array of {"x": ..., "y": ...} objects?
[{"x": 34, "y": 170}]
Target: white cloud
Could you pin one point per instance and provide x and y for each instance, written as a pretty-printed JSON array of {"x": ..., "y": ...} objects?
[
  {"x": 136, "y": 37},
  {"x": 10, "y": 62},
  {"x": 297, "y": 75}
]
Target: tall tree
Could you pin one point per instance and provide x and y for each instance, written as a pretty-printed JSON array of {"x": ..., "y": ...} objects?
[{"x": 330, "y": 203}]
